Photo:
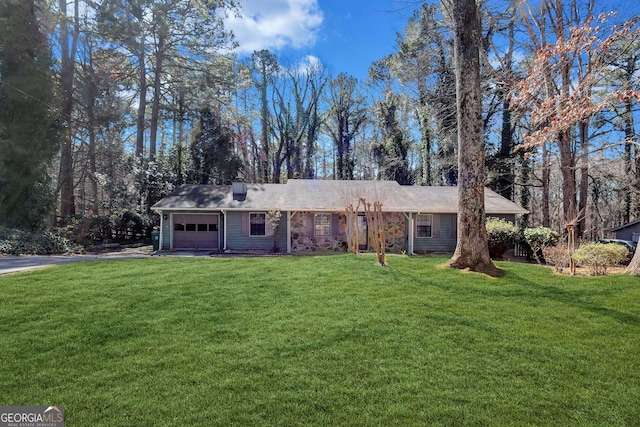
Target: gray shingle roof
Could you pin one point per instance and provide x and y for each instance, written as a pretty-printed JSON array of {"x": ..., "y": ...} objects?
[
  {"x": 189, "y": 197},
  {"x": 440, "y": 199},
  {"x": 335, "y": 195},
  {"x": 328, "y": 195}
]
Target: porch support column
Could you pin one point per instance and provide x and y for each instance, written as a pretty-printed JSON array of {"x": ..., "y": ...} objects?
[
  {"x": 350, "y": 231},
  {"x": 162, "y": 214},
  {"x": 409, "y": 216},
  {"x": 224, "y": 229},
  {"x": 171, "y": 229}
]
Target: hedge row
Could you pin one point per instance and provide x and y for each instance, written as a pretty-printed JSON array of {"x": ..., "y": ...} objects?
[{"x": 41, "y": 242}]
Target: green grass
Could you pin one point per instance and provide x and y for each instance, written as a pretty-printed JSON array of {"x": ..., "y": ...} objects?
[{"x": 332, "y": 340}]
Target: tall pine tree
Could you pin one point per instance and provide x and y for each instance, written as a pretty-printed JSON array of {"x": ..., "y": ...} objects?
[{"x": 28, "y": 136}]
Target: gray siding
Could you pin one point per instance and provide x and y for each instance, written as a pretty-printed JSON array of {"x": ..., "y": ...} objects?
[
  {"x": 237, "y": 241},
  {"x": 165, "y": 245},
  {"x": 444, "y": 238},
  {"x": 444, "y": 234},
  {"x": 629, "y": 233}
]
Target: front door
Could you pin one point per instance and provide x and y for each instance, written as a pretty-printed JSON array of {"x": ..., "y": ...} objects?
[{"x": 195, "y": 231}]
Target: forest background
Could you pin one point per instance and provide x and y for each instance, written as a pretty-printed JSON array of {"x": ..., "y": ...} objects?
[{"x": 105, "y": 107}]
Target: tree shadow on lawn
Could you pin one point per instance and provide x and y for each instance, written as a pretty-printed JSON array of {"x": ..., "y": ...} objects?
[
  {"x": 520, "y": 286},
  {"x": 566, "y": 297}
]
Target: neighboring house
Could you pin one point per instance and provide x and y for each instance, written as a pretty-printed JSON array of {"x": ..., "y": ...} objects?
[
  {"x": 630, "y": 231},
  {"x": 314, "y": 216}
]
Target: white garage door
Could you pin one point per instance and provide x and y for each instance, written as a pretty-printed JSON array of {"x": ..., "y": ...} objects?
[{"x": 191, "y": 231}]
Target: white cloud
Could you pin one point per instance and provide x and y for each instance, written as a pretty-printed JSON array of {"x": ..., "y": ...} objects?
[
  {"x": 275, "y": 24},
  {"x": 309, "y": 64}
]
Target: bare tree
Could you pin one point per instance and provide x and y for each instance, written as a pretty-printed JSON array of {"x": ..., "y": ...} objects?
[
  {"x": 376, "y": 227},
  {"x": 370, "y": 200},
  {"x": 353, "y": 232},
  {"x": 559, "y": 87}
]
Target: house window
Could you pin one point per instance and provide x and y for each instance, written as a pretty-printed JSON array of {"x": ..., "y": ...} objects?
[
  {"x": 322, "y": 224},
  {"x": 424, "y": 225},
  {"x": 257, "y": 222}
]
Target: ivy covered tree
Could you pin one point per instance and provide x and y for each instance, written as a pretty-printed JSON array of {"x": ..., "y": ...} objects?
[
  {"x": 391, "y": 153},
  {"x": 28, "y": 130},
  {"x": 212, "y": 151},
  {"x": 346, "y": 117}
]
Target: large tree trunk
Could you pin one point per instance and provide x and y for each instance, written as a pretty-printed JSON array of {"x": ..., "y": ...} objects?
[
  {"x": 472, "y": 249},
  {"x": 312, "y": 137},
  {"x": 546, "y": 179},
  {"x": 567, "y": 168},
  {"x": 264, "y": 121},
  {"x": 634, "y": 265},
  {"x": 584, "y": 179},
  {"x": 91, "y": 124},
  {"x": 68, "y": 46},
  {"x": 629, "y": 140},
  {"x": 142, "y": 102},
  {"x": 425, "y": 137},
  {"x": 181, "y": 119},
  {"x": 505, "y": 169},
  {"x": 525, "y": 194},
  {"x": 90, "y": 101},
  {"x": 157, "y": 88}
]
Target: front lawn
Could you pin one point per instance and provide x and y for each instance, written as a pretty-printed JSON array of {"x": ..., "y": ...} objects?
[{"x": 330, "y": 340}]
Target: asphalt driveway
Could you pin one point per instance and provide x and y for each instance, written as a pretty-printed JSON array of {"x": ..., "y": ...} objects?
[
  {"x": 15, "y": 263},
  {"x": 12, "y": 263}
]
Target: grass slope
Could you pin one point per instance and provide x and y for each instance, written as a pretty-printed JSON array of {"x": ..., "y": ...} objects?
[{"x": 330, "y": 340}]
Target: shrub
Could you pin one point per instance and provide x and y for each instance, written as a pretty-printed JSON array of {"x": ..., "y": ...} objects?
[
  {"x": 539, "y": 238},
  {"x": 28, "y": 242},
  {"x": 557, "y": 256},
  {"x": 122, "y": 227},
  {"x": 599, "y": 256},
  {"x": 500, "y": 234}
]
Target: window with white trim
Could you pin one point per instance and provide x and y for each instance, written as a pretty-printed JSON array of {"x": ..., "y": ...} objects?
[
  {"x": 322, "y": 224},
  {"x": 257, "y": 224},
  {"x": 424, "y": 225}
]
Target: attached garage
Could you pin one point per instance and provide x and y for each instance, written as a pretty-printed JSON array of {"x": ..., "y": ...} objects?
[{"x": 196, "y": 231}]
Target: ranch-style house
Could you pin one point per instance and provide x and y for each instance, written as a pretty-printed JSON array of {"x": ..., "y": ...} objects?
[{"x": 314, "y": 216}]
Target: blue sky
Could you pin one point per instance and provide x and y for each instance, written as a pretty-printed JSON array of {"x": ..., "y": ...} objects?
[{"x": 346, "y": 35}]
